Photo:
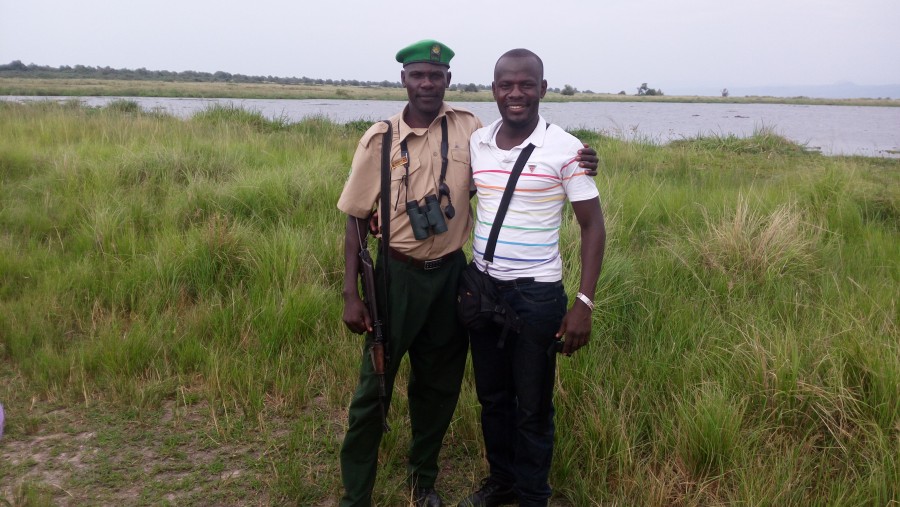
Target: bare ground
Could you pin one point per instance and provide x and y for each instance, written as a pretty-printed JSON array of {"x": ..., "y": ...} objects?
[
  {"x": 184, "y": 452},
  {"x": 66, "y": 456}
]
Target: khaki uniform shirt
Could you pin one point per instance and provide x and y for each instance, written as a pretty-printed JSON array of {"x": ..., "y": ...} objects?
[{"x": 362, "y": 190}]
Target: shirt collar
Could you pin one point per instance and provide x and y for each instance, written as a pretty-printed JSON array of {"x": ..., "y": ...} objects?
[
  {"x": 405, "y": 130},
  {"x": 536, "y": 138}
]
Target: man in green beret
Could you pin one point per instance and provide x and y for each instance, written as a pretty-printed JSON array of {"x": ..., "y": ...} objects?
[{"x": 430, "y": 170}]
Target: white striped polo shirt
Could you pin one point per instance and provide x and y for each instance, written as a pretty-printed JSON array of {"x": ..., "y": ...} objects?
[{"x": 528, "y": 245}]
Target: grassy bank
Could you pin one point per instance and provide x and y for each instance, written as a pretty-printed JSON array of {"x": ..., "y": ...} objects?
[
  {"x": 124, "y": 88},
  {"x": 170, "y": 321}
]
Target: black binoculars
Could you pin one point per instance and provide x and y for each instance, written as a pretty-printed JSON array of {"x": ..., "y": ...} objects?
[{"x": 426, "y": 219}]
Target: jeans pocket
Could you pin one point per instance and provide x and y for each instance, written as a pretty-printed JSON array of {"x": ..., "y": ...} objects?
[
  {"x": 540, "y": 302},
  {"x": 541, "y": 293}
]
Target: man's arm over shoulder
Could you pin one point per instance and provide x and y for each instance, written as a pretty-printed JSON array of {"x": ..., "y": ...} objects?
[
  {"x": 586, "y": 157},
  {"x": 576, "y": 325}
]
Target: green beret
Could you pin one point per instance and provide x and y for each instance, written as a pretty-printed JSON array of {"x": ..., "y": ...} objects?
[{"x": 428, "y": 51}]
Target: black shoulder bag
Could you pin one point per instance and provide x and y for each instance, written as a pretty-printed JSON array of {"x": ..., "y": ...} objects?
[{"x": 479, "y": 301}]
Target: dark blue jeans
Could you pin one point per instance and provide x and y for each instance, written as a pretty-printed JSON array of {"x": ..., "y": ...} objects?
[{"x": 515, "y": 388}]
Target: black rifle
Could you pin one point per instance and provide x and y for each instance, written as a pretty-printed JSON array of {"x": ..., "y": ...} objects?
[{"x": 377, "y": 352}]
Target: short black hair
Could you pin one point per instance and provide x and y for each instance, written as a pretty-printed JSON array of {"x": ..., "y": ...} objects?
[{"x": 521, "y": 53}]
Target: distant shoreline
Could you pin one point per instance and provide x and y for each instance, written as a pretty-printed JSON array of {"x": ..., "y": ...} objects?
[{"x": 146, "y": 88}]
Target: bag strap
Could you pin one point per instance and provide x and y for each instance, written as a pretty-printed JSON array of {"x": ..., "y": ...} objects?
[{"x": 504, "y": 202}]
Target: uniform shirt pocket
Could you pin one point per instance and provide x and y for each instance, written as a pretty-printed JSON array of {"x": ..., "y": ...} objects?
[
  {"x": 401, "y": 178},
  {"x": 461, "y": 155}
]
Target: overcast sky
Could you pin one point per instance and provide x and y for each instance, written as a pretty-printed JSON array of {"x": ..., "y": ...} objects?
[{"x": 600, "y": 45}]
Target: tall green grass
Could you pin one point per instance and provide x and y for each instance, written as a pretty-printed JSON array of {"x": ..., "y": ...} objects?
[{"x": 746, "y": 345}]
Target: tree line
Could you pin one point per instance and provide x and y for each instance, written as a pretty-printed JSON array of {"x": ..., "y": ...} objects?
[{"x": 18, "y": 69}]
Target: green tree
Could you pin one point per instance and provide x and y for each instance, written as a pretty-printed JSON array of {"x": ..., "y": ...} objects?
[{"x": 646, "y": 90}]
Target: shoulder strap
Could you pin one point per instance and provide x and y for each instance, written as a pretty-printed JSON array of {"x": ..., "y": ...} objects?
[
  {"x": 504, "y": 202},
  {"x": 386, "y": 184}
]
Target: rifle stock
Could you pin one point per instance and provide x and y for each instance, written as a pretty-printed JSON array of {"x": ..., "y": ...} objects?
[{"x": 377, "y": 352}]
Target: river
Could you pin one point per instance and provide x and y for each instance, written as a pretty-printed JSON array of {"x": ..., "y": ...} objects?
[{"x": 832, "y": 130}]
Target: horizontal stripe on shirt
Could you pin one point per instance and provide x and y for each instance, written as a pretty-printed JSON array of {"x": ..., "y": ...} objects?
[
  {"x": 491, "y": 224},
  {"x": 533, "y": 261},
  {"x": 519, "y": 243}
]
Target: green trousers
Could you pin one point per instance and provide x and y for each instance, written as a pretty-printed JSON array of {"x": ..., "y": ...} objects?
[{"x": 423, "y": 324}]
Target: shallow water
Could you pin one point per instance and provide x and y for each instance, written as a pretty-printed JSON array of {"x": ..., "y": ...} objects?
[{"x": 833, "y": 130}]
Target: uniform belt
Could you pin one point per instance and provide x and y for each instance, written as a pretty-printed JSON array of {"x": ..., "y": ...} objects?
[{"x": 427, "y": 265}]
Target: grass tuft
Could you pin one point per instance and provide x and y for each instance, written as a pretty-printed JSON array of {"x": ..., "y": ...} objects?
[
  {"x": 745, "y": 243},
  {"x": 218, "y": 114},
  {"x": 123, "y": 106},
  {"x": 709, "y": 430},
  {"x": 763, "y": 141}
]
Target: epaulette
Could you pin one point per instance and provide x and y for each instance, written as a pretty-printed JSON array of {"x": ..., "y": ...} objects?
[
  {"x": 377, "y": 129},
  {"x": 463, "y": 112}
]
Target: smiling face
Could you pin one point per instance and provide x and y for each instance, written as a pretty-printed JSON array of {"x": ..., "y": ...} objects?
[
  {"x": 518, "y": 88},
  {"x": 425, "y": 85}
]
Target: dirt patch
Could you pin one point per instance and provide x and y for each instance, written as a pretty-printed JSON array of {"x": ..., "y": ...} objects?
[
  {"x": 72, "y": 456},
  {"x": 187, "y": 452}
]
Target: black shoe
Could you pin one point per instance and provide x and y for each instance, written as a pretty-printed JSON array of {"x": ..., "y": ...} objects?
[
  {"x": 428, "y": 497},
  {"x": 490, "y": 494}
]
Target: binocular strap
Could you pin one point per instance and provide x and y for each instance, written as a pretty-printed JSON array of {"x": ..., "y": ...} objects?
[{"x": 445, "y": 148}]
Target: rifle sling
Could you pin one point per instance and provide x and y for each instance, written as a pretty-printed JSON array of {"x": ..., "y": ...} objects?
[{"x": 385, "y": 218}]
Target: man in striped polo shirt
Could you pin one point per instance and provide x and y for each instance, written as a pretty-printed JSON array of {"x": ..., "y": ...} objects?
[{"x": 514, "y": 381}]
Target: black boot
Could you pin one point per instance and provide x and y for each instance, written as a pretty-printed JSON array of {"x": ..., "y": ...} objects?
[
  {"x": 490, "y": 494},
  {"x": 427, "y": 497}
]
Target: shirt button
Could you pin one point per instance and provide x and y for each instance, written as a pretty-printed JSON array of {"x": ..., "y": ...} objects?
[{"x": 434, "y": 154}]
